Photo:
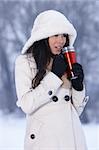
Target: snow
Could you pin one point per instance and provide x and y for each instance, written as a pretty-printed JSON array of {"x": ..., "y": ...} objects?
[{"x": 12, "y": 131}]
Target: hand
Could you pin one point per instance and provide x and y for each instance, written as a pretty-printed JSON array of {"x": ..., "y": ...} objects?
[
  {"x": 59, "y": 66},
  {"x": 78, "y": 82}
]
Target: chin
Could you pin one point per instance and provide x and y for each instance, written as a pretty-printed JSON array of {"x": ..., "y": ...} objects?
[{"x": 58, "y": 53}]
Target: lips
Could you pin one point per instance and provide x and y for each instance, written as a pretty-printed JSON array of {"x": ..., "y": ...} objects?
[{"x": 58, "y": 47}]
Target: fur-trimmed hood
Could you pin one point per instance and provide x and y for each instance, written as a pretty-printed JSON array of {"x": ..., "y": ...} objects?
[{"x": 49, "y": 23}]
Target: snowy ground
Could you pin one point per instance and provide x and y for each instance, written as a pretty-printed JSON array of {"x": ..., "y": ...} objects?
[{"x": 12, "y": 132}]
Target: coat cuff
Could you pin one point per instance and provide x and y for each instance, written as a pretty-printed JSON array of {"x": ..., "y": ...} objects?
[
  {"x": 51, "y": 83},
  {"x": 79, "y": 100}
]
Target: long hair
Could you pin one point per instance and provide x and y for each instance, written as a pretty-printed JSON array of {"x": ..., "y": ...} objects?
[{"x": 42, "y": 54}]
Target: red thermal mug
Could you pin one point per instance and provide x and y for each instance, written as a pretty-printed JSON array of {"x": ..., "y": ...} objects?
[{"x": 70, "y": 55}]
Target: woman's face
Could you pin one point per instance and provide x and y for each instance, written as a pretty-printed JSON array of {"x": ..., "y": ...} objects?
[{"x": 56, "y": 43}]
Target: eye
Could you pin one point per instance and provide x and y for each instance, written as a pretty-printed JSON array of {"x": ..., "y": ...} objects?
[
  {"x": 65, "y": 35},
  {"x": 56, "y": 35}
]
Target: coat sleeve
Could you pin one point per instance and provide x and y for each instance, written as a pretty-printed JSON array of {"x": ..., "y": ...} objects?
[
  {"x": 79, "y": 100},
  {"x": 30, "y": 99}
]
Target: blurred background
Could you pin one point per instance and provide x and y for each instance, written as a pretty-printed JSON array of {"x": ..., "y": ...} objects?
[{"x": 16, "y": 20}]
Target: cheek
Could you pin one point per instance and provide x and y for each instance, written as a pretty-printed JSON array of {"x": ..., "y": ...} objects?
[
  {"x": 52, "y": 49},
  {"x": 50, "y": 43}
]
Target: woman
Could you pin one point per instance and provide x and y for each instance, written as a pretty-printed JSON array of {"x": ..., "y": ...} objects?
[{"x": 51, "y": 101}]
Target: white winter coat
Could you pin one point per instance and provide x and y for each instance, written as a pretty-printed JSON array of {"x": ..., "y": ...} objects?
[{"x": 50, "y": 125}]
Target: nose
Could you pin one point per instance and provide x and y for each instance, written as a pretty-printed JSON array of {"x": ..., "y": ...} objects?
[{"x": 60, "y": 39}]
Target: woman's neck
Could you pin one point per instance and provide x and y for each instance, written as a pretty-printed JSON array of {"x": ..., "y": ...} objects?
[{"x": 49, "y": 66}]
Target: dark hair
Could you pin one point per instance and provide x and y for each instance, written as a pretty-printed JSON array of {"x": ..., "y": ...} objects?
[
  {"x": 42, "y": 55},
  {"x": 67, "y": 40}
]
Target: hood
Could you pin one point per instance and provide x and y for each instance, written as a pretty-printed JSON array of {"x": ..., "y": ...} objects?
[{"x": 49, "y": 23}]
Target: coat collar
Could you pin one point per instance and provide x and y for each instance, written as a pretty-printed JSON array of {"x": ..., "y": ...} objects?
[{"x": 31, "y": 61}]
